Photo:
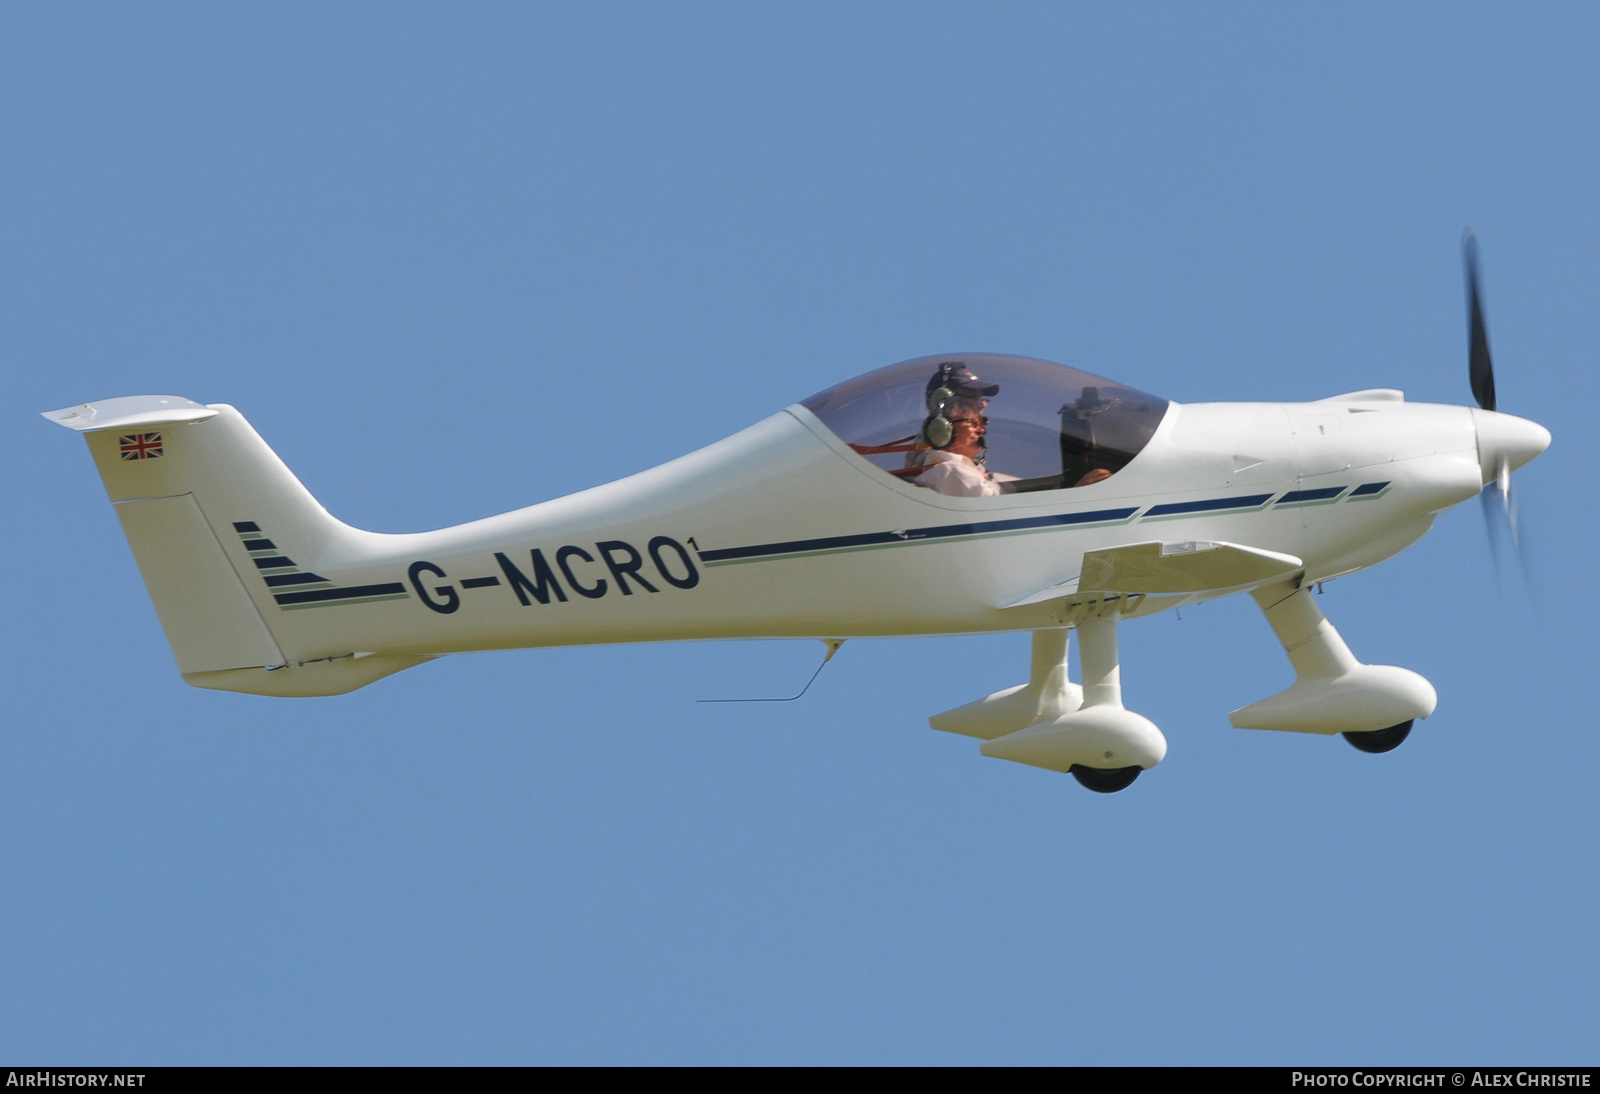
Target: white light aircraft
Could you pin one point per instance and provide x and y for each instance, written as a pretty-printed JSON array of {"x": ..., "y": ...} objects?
[{"x": 957, "y": 494}]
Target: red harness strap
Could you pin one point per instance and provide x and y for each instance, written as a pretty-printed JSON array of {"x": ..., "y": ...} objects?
[{"x": 882, "y": 449}]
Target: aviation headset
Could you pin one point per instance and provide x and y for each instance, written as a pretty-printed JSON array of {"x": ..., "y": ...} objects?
[{"x": 937, "y": 429}]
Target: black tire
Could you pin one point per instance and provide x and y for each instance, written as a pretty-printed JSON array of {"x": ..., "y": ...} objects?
[
  {"x": 1105, "y": 780},
  {"x": 1380, "y": 740}
]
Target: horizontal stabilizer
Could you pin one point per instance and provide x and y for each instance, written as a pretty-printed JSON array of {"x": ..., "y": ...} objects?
[
  {"x": 330, "y": 676},
  {"x": 130, "y": 411},
  {"x": 1170, "y": 567}
]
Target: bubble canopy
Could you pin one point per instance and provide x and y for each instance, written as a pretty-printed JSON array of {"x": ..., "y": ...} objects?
[{"x": 1046, "y": 427}]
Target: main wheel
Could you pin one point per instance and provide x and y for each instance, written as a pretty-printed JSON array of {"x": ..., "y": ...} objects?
[
  {"x": 1380, "y": 740},
  {"x": 1104, "y": 780}
]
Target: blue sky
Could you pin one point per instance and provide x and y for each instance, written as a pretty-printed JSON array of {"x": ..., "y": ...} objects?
[{"x": 451, "y": 261}]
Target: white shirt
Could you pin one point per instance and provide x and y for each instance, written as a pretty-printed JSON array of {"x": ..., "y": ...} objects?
[{"x": 949, "y": 473}]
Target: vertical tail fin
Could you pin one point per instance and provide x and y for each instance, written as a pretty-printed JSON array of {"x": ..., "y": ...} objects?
[{"x": 193, "y": 486}]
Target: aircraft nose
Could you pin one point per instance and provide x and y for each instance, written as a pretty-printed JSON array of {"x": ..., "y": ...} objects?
[{"x": 1508, "y": 439}]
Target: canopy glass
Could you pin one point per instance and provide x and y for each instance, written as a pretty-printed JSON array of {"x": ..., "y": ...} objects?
[{"x": 981, "y": 423}]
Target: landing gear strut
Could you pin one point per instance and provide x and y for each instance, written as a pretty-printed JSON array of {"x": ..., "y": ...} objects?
[
  {"x": 1052, "y": 723},
  {"x": 1372, "y": 705},
  {"x": 1103, "y": 744},
  {"x": 1377, "y": 740}
]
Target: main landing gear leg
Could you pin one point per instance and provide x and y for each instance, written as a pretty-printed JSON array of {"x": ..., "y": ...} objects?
[
  {"x": 1102, "y": 688},
  {"x": 1373, "y": 706},
  {"x": 1102, "y": 744},
  {"x": 1047, "y": 694}
]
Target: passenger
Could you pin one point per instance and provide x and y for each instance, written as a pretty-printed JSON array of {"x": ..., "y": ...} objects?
[{"x": 951, "y": 446}]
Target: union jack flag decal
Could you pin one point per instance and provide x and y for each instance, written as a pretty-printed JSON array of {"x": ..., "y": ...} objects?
[{"x": 141, "y": 446}]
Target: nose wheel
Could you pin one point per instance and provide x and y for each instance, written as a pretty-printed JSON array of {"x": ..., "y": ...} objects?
[{"x": 1377, "y": 740}]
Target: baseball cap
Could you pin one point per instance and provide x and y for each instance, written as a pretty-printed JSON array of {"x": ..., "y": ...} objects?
[{"x": 960, "y": 380}]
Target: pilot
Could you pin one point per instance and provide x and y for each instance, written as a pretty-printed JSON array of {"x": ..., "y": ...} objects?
[{"x": 951, "y": 445}]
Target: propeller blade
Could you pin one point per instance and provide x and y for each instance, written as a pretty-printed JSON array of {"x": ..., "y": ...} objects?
[
  {"x": 1501, "y": 520},
  {"x": 1508, "y": 501},
  {"x": 1499, "y": 503},
  {"x": 1491, "y": 526},
  {"x": 1479, "y": 368}
]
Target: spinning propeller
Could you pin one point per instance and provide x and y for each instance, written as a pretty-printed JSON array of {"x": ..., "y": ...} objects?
[{"x": 1505, "y": 443}]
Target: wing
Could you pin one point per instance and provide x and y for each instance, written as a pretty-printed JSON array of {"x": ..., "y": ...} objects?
[{"x": 1165, "y": 568}]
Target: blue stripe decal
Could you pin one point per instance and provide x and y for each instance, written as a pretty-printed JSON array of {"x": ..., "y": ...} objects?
[
  {"x": 1311, "y": 495},
  {"x": 314, "y": 595},
  {"x": 910, "y": 535},
  {"x": 1208, "y": 506},
  {"x": 1368, "y": 488},
  {"x": 255, "y": 541},
  {"x": 275, "y": 581}
]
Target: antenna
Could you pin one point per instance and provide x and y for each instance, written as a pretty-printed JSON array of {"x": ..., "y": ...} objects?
[{"x": 833, "y": 645}]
